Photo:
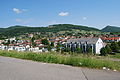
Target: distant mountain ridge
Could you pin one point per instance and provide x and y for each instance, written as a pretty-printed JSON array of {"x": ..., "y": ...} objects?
[
  {"x": 71, "y": 26},
  {"x": 111, "y": 29},
  {"x": 18, "y": 30}
]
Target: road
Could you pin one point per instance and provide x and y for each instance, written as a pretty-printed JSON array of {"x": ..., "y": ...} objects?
[{"x": 17, "y": 69}]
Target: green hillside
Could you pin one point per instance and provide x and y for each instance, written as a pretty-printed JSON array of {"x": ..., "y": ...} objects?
[
  {"x": 64, "y": 27},
  {"x": 19, "y": 30},
  {"x": 111, "y": 29}
]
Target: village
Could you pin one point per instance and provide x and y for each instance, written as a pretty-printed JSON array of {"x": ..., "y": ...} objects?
[
  {"x": 60, "y": 40},
  {"x": 58, "y": 43}
]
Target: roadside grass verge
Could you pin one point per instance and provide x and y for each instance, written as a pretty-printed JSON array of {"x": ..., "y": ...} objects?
[
  {"x": 117, "y": 56},
  {"x": 72, "y": 60}
]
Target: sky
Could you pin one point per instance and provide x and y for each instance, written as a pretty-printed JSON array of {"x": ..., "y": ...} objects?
[{"x": 38, "y": 13}]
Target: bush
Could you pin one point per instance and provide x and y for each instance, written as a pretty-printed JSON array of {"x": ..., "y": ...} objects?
[
  {"x": 89, "y": 50},
  {"x": 103, "y": 51},
  {"x": 78, "y": 50},
  {"x": 108, "y": 49},
  {"x": 114, "y": 46},
  {"x": 45, "y": 42}
]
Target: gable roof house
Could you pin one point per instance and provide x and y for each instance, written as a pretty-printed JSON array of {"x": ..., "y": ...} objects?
[{"x": 84, "y": 43}]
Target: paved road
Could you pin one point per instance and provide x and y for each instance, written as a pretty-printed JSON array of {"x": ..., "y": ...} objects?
[{"x": 16, "y": 69}]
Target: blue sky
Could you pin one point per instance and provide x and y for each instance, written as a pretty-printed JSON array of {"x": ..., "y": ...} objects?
[{"x": 37, "y": 13}]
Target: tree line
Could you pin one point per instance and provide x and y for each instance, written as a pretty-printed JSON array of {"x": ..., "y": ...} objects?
[{"x": 110, "y": 48}]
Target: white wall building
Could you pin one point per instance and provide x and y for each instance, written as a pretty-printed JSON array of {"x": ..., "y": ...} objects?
[{"x": 84, "y": 43}]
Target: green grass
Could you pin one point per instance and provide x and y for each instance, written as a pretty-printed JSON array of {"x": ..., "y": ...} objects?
[
  {"x": 117, "y": 56},
  {"x": 73, "y": 60}
]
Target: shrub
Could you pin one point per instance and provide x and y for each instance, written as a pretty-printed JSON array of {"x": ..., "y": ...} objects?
[
  {"x": 78, "y": 50},
  {"x": 108, "y": 49},
  {"x": 103, "y": 51},
  {"x": 114, "y": 46},
  {"x": 89, "y": 50}
]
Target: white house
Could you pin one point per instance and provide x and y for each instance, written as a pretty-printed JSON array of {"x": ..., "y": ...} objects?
[
  {"x": 20, "y": 48},
  {"x": 11, "y": 48},
  {"x": 3, "y": 47},
  {"x": 53, "y": 49},
  {"x": 84, "y": 43},
  {"x": 44, "y": 50},
  {"x": 35, "y": 49}
]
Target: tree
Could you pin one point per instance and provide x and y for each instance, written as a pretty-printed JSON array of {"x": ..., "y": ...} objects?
[
  {"x": 89, "y": 50},
  {"x": 37, "y": 36},
  {"x": 114, "y": 46},
  {"x": 49, "y": 48},
  {"x": 52, "y": 44},
  {"x": 13, "y": 41},
  {"x": 8, "y": 42},
  {"x": 33, "y": 43},
  {"x": 108, "y": 49},
  {"x": 103, "y": 51},
  {"x": 118, "y": 43},
  {"x": 32, "y": 39},
  {"x": 45, "y": 42},
  {"x": 58, "y": 47}
]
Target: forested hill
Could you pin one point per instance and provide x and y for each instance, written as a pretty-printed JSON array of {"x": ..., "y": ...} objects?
[
  {"x": 64, "y": 27},
  {"x": 111, "y": 29},
  {"x": 18, "y": 30}
]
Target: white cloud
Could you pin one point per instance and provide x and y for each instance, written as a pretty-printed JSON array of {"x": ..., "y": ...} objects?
[
  {"x": 63, "y": 14},
  {"x": 17, "y": 10},
  {"x": 84, "y": 18}
]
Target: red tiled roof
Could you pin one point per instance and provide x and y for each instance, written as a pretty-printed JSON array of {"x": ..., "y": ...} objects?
[
  {"x": 111, "y": 38},
  {"x": 11, "y": 44}
]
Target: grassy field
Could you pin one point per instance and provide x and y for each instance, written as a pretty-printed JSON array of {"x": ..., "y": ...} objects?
[{"x": 73, "y": 60}]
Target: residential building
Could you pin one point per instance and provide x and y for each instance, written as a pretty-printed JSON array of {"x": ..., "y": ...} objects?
[
  {"x": 110, "y": 39},
  {"x": 84, "y": 43}
]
